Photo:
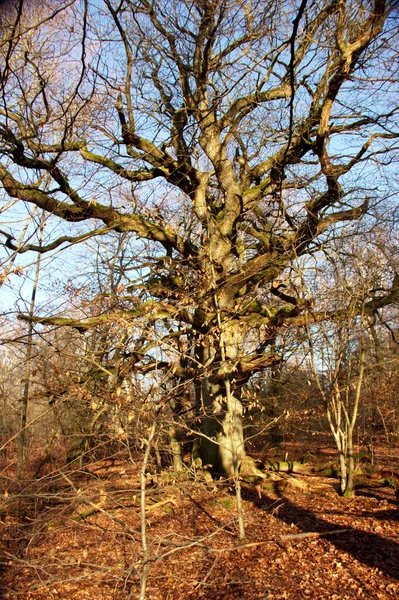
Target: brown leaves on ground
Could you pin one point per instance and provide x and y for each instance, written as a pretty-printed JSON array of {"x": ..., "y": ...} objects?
[{"x": 48, "y": 553}]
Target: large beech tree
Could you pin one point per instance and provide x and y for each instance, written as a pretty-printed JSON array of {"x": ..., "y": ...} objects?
[{"x": 234, "y": 137}]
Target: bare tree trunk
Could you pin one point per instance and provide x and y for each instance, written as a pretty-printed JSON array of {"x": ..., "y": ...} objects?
[
  {"x": 340, "y": 439},
  {"x": 25, "y": 397},
  {"x": 386, "y": 432},
  {"x": 222, "y": 441},
  {"x": 231, "y": 438},
  {"x": 236, "y": 450},
  {"x": 144, "y": 544},
  {"x": 176, "y": 449},
  {"x": 276, "y": 432},
  {"x": 352, "y": 418},
  {"x": 221, "y": 411}
]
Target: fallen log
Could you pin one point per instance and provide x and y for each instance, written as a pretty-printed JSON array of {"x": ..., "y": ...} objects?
[
  {"x": 282, "y": 538},
  {"x": 263, "y": 475},
  {"x": 382, "y": 478}
]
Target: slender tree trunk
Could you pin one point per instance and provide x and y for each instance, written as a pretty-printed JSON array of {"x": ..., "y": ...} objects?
[
  {"x": 176, "y": 449},
  {"x": 28, "y": 357},
  {"x": 276, "y": 433},
  {"x": 352, "y": 419},
  {"x": 340, "y": 442},
  {"x": 386, "y": 432},
  {"x": 343, "y": 469},
  {"x": 351, "y": 469},
  {"x": 144, "y": 542},
  {"x": 337, "y": 426}
]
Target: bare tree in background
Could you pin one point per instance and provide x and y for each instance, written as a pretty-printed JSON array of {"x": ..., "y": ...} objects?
[
  {"x": 339, "y": 374},
  {"x": 28, "y": 358},
  {"x": 232, "y": 139}
]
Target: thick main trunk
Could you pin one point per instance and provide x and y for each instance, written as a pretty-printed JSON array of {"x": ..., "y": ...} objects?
[
  {"x": 222, "y": 440},
  {"x": 222, "y": 437},
  {"x": 222, "y": 444},
  {"x": 219, "y": 346}
]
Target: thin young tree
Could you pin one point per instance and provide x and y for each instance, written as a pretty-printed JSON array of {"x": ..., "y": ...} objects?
[
  {"x": 28, "y": 357},
  {"x": 339, "y": 375},
  {"x": 341, "y": 356}
]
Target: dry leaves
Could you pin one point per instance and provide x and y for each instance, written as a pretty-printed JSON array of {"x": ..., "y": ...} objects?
[{"x": 100, "y": 557}]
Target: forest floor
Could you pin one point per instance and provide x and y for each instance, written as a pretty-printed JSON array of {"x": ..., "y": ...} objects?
[{"x": 75, "y": 534}]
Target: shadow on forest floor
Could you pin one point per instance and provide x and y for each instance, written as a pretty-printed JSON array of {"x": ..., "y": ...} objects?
[{"x": 371, "y": 549}]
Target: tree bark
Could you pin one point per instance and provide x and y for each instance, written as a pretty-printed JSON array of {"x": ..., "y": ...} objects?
[
  {"x": 219, "y": 401},
  {"x": 25, "y": 398},
  {"x": 175, "y": 449}
]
